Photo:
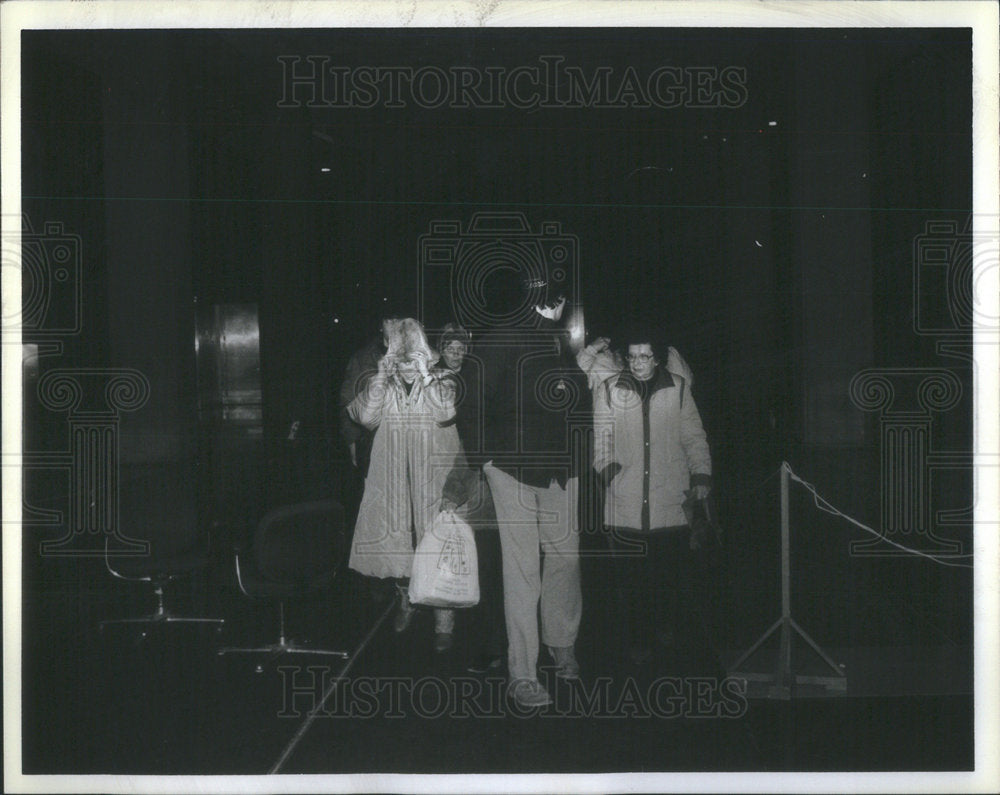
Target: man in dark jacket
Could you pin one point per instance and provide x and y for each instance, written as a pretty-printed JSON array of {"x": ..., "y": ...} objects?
[{"x": 537, "y": 407}]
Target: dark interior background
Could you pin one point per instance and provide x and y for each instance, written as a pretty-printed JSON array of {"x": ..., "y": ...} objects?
[{"x": 778, "y": 258}]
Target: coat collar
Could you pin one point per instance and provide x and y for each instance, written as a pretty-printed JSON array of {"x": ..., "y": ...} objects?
[
  {"x": 415, "y": 391},
  {"x": 662, "y": 380}
]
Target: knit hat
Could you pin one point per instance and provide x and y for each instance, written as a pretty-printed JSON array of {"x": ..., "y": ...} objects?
[{"x": 452, "y": 332}]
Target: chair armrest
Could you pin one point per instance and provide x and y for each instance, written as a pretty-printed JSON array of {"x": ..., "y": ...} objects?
[
  {"x": 239, "y": 554},
  {"x": 113, "y": 571}
]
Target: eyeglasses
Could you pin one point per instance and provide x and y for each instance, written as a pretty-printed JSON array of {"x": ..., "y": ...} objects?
[{"x": 639, "y": 357}]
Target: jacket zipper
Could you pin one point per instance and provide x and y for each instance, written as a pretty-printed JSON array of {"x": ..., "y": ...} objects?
[{"x": 645, "y": 463}]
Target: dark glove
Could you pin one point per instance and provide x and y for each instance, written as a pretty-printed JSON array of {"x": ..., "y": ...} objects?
[{"x": 706, "y": 535}]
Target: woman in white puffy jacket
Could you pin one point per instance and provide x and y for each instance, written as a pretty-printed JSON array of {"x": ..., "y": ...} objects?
[{"x": 650, "y": 451}]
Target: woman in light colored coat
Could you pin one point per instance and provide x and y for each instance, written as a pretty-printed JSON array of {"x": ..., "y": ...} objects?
[
  {"x": 648, "y": 494},
  {"x": 413, "y": 451},
  {"x": 650, "y": 450}
]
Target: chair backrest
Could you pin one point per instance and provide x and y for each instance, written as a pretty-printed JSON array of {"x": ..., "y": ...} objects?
[
  {"x": 157, "y": 504},
  {"x": 301, "y": 544}
]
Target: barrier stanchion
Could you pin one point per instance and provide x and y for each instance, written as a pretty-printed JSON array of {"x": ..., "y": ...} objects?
[{"x": 782, "y": 682}]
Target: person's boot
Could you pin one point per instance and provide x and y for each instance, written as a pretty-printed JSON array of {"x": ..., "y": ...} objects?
[
  {"x": 405, "y": 611},
  {"x": 444, "y": 626},
  {"x": 484, "y": 663},
  {"x": 566, "y": 665}
]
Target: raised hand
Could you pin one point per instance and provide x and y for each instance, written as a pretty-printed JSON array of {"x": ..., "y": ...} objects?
[
  {"x": 420, "y": 358},
  {"x": 600, "y": 345},
  {"x": 387, "y": 365},
  {"x": 553, "y": 312}
]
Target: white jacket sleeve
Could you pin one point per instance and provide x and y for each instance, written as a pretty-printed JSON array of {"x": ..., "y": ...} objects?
[
  {"x": 693, "y": 438},
  {"x": 440, "y": 396},
  {"x": 598, "y": 366},
  {"x": 604, "y": 427},
  {"x": 367, "y": 407},
  {"x": 676, "y": 364}
]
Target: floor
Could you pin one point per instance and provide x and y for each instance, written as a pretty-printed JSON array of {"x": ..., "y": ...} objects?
[{"x": 111, "y": 702}]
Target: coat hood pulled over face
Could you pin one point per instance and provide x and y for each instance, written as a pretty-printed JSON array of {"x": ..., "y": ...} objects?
[{"x": 404, "y": 337}]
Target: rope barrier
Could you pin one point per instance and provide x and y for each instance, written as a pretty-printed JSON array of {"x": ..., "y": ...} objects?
[
  {"x": 825, "y": 506},
  {"x": 758, "y": 486}
]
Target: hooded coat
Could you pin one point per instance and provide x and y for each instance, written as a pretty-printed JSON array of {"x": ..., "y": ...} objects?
[
  {"x": 660, "y": 447},
  {"x": 414, "y": 450}
]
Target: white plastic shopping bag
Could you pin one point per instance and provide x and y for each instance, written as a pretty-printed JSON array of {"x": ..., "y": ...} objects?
[{"x": 445, "y": 570}]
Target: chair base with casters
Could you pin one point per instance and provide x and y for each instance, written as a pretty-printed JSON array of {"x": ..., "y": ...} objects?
[
  {"x": 296, "y": 553},
  {"x": 283, "y": 646},
  {"x": 158, "y": 505},
  {"x": 161, "y": 615}
]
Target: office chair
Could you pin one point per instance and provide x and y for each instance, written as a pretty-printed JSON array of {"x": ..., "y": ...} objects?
[
  {"x": 296, "y": 552},
  {"x": 158, "y": 507}
]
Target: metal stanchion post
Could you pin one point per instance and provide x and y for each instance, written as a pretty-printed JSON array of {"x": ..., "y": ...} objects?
[{"x": 781, "y": 684}]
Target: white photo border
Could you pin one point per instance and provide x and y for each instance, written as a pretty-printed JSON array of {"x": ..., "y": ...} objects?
[{"x": 981, "y": 17}]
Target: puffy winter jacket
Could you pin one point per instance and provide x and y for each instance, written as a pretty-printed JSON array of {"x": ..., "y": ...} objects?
[{"x": 660, "y": 447}]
